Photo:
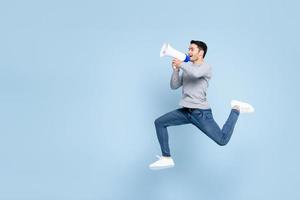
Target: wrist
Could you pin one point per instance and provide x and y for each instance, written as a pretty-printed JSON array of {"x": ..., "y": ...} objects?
[{"x": 176, "y": 68}]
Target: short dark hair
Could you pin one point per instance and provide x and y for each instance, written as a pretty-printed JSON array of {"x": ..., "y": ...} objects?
[{"x": 201, "y": 45}]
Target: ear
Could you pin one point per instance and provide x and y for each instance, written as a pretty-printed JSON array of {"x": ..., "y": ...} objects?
[{"x": 201, "y": 53}]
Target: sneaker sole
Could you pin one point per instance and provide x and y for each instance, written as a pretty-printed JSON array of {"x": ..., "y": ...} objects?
[{"x": 164, "y": 167}]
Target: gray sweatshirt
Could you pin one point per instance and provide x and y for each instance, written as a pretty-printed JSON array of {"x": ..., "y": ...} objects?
[{"x": 194, "y": 81}]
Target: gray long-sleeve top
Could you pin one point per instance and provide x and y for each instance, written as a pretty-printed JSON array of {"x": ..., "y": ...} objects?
[{"x": 194, "y": 81}]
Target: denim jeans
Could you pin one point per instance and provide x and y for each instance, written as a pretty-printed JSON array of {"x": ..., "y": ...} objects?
[{"x": 201, "y": 118}]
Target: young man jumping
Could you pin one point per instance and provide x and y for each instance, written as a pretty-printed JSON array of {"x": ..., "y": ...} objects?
[{"x": 195, "y": 108}]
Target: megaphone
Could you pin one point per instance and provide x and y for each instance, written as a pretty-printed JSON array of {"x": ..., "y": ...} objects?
[{"x": 168, "y": 50}]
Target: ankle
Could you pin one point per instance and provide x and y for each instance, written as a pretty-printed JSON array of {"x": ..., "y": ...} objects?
[{"x": 236, "y": 108}]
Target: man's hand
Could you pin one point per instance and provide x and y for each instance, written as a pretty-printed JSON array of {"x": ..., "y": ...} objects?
[{"x": 176, "y": 63}]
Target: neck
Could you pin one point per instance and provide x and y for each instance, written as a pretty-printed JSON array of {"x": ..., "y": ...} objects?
[{"x": 198, "y": 61}]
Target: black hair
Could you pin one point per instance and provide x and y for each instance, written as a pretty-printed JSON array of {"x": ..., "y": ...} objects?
[{"x": 201, "y": 45}]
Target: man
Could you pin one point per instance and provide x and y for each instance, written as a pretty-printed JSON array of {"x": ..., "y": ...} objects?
[{"x": 195, "y": 107}]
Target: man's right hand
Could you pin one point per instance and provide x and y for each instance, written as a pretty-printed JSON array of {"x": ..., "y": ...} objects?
[{"x": 176, "y": 63}]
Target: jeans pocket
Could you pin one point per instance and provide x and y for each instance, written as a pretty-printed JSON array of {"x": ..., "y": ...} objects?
[
  {"x": 198, "y": 113},
  {"x": 208, "y": 116}
]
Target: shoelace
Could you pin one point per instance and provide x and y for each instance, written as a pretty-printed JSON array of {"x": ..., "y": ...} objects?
[{"x": 159, "y": 157}]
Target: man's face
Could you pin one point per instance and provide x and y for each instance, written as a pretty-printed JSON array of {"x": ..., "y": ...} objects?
[{"x": 194, "y": 52}]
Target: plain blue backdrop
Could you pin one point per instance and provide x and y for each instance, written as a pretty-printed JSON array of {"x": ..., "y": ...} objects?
[{"x": 81, "y": 84}]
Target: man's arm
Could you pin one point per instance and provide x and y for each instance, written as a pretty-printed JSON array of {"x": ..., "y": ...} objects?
[
  {"x": 192, "y": 71},
  {"x": 176, "y": 79},
  {"x": 196, "y": 72}
]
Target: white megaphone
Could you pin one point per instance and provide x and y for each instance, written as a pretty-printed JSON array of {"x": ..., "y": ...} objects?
[{"x": 168, "y": 50}]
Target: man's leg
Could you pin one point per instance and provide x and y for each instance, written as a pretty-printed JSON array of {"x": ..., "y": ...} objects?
[
  {"x": 204, "y": 120},
  {"x": 173, "y": 118}
]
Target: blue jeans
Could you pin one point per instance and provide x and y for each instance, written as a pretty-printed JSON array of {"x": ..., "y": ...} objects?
[{"x": 201, "y": 118}]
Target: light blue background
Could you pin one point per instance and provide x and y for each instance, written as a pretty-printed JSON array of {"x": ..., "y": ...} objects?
[{"x": 81, "y": 83}]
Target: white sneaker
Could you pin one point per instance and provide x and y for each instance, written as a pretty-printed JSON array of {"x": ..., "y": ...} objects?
[
  {"x": 244, "y": 107},
  {"x": 162, "y": 163}
]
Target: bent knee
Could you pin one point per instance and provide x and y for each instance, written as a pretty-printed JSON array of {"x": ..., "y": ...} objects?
[{"x": 157, "y": 122}]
